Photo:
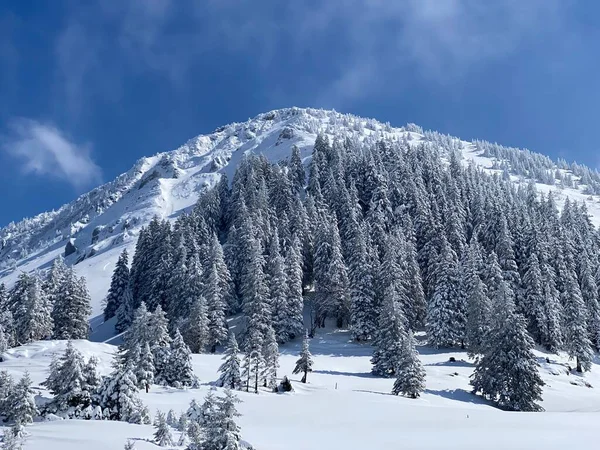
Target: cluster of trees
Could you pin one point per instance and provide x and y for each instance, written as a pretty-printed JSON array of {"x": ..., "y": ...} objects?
[
  {"x": 385, "y": 239},
  {"x": 57, "y": 307}
]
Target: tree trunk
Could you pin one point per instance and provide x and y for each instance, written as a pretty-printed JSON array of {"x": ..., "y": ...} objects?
[
  {"x": 213, "y": 349},
  {"x": 579, "y": 365},
  {"x": 304, "y": 377}
]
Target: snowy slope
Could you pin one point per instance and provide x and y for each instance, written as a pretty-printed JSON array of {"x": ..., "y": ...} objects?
[
  {"x": 343, "y": 406},
  {"x": 106, "y": 220}
]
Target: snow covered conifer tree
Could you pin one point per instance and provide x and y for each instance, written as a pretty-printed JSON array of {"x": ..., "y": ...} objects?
[
  {"x": 68, "y": 382},
  {"x": 295, "y": 300},
  {"x": 253, "y": 359},
  {"x": 71, "y": 308},
  {"x": 54, "y": 279},
  {"x": 21, "y": 403},
  {"x": 278, "y": 290},
  {"x": 230, "y": 369},
  {"x": 446, "y": 317},
  {"x": 216, "y": 292},
  {"x": 129, "y": 445},
  {"x": 31, "y": 310},
  {"x": 162, "y": 435},
  {"x": 144, "y": 369},
  {"x": 478, "y": 303},
  {"x": 271, "y": 358},
  {"x": 196, "y": 326},
  {"x": 507, "y": 373},
  {"x": 219, "y": 429},
  {"x": 390, "y": 335},
  {"x": 410, "y": 374},
  {"x": 118, "y": 285},
  {"x": 542, "y": 304},
  {"x": 297, "y": 172},
  {"x": 118, "y": 397},
  {"x": 180, "y": 372},
  {"x": 305, "y": 362},
  {"x": 577, "y": 342},
  {"x": 125, "y": 310}
]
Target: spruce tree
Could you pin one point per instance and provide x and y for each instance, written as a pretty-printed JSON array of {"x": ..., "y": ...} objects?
[
  {"x": 577, "y": 343},
  {"x": 305, "y": 362},
  {"x": 71, "y": 308},
  {"x": 54, "y": 279},
  {"x": 22, "y": 409},
  {"x": 478, "y": 303},
  {"x": 271, "y": 359},
  {"x": 31, "y": 310},
  {"x": 216, "y": 293},
  {"x": 410, "y": 374},
  {"x": 180, "y": 372},
  {"x": 196, "y": 326},
  {"x": 162, "y": 435},
  {"x": 118, "y": 285},
  {"x": 507, "y": 373},
  {"x": 125, "y": 310},
  {"x": 446, "y": 316},
  {"x": 118, "y": 397},
  {"x": 230, "y": 369},
  {"x": 390, "y": 335}
]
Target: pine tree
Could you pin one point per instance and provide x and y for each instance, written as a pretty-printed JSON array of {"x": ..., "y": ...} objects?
[
  {"x": 129, "y": 445},
  {"x": 118, "y": 397},
  {"x": 253, "y": 359},
  {"x": 446, "y": 317},
  {"x": 543, "y": 304},
  {"x": 22, "y": 409},
  {"x": 180, "y": 372},
  {"x": 305, "y": 362},
  {"x": 144, "y": 369},
  {"x": 295, "y": 300},
  {"x": 507, "y": 373},
  {"x": 577, "y": 343},
  {"x": 31, "y": 310},
  {"x": 54, "y": 279},
  {"x": 230, "y": 369},
  {"x": 162, "y": 435},
  {"x": 220, "y": 428},
  {"x": 410, "y": 374},
  {"x": 71, "y": 308},
  {"x": 118, "y": 285},
  {"x": 70, "y": 381},
  {"x": 390, "y": 335},
  {"x": 216, "y": 293},
  {"x": 196, "y": 327},
  {"x": 297, "y": 173},
  {"x": 7, "y": 386},
  {"x": 478, "y": 303},
  {"x": 125, "y": 311},
  {"x": 271, "y": 359}
]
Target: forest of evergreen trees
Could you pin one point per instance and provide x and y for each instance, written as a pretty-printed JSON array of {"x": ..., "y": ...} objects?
[{"x": 388, "y": 240}]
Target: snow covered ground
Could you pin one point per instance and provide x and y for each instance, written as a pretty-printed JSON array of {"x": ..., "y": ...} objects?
[{"x": 343, "y": 406}]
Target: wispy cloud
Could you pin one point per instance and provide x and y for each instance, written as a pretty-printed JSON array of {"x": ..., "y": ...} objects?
[
  {"x": 46, "y": 150},
  {"x": 368, "y": 44}
]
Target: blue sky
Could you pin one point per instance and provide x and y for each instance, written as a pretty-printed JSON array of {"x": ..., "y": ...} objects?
[{"x": 87, "y": 88}]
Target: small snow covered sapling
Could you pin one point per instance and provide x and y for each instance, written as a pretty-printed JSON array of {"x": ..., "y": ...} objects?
[
  {"x": 129, "y": 445},
  {"x": 162, "y": 435},
  {"x": 305, "y": 363}
]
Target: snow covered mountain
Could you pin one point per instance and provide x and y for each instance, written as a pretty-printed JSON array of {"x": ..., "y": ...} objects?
[{"x": 92, "y": 230}]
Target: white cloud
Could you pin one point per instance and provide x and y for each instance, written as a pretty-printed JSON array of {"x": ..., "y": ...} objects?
[
  {"x": 378, "y": 41},
  {"x": 45, "y": 150}
]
